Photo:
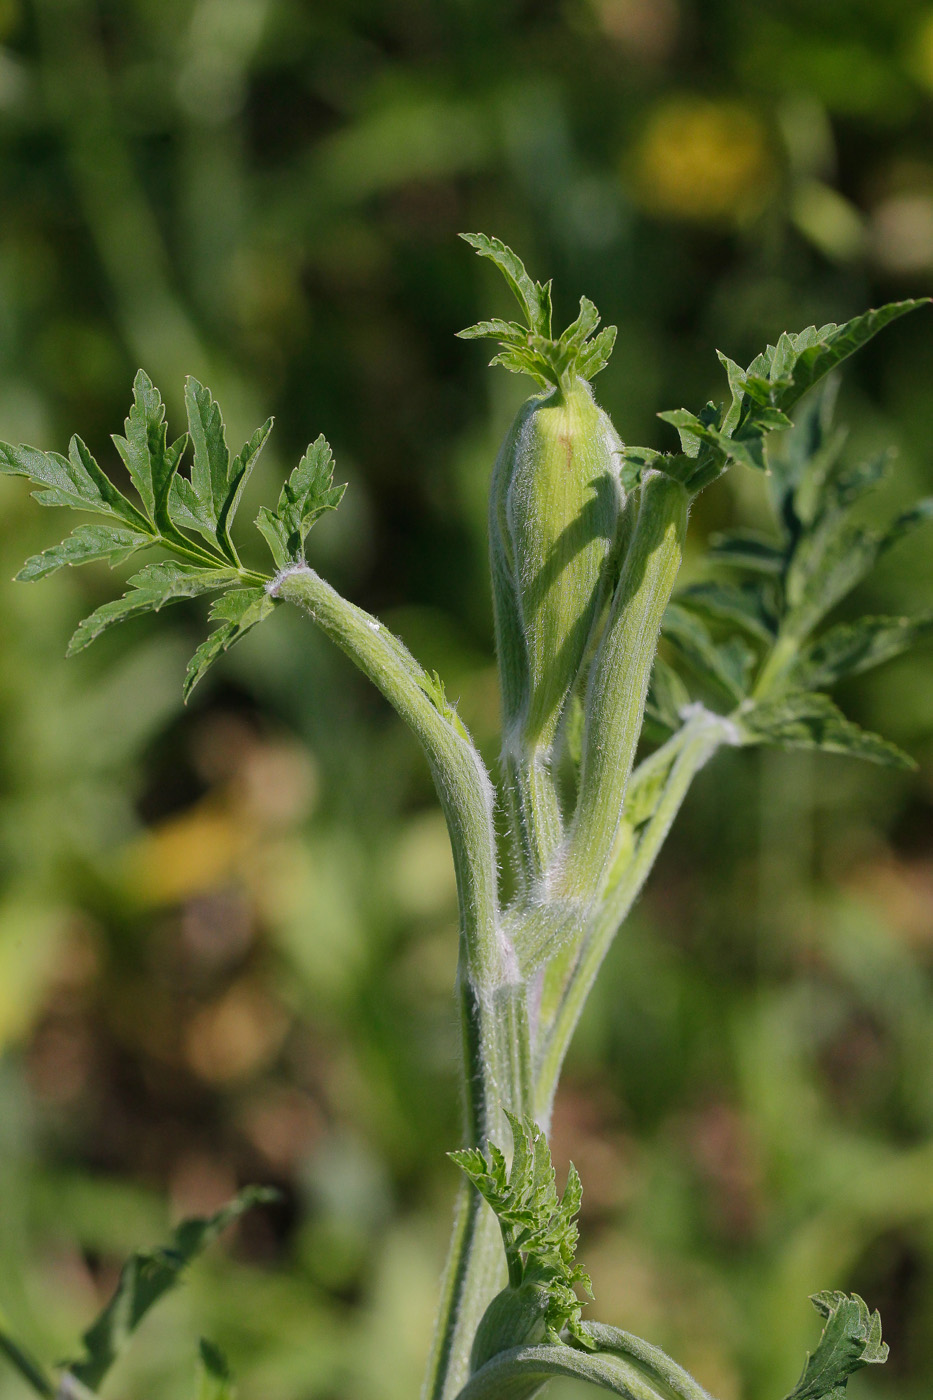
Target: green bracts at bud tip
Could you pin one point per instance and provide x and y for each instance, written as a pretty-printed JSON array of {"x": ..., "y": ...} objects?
[{"x": 554, "y": 507}]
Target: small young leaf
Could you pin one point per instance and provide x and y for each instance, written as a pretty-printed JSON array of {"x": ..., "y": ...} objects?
[
  {"x": 146, "y": 1277},
  {"x": 306, "y": 495},
  {"x": 237, "y": 611},
  {"x": 151, "y": 589},
  {"x": 851, "y": 1339},
  {"x": 810, "y": 720},
  {"x": 667, "y": 696},
  {"x": 538, "y": 1227},
  {"x": 533, "y": 297},
  {"x": 216, "y": 1379},
  {"x": 86, "y": 543}
]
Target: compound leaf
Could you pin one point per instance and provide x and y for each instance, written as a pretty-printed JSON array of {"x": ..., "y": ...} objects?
[{"x": 851, "y": 1339}]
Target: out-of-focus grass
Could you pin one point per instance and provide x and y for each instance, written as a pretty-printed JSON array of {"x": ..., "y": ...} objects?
[{"x": 227, "y": 934}]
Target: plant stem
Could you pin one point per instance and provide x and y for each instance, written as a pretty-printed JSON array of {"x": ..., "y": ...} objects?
[
  {"x": 496, "y": 1040},
  {"x": 694, "y": 744},
  {"x": 618, "y": 684}
]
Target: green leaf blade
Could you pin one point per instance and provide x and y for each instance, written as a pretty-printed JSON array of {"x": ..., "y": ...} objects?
[
  {"x": 84, "y": 545},
  {"x": 237, "y": 611},
  {"x": 150, "y": 590},
  {"x": 146, "y": 1277},
  {"x": 810, "y": 720},
  {"x": 851, "y": 1339}
]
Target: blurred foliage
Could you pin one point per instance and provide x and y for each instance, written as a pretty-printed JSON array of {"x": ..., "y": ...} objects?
[{"x": 227, "y": 934}]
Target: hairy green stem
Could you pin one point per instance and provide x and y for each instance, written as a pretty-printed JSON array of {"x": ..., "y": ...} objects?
[
  {"x": 496, "y": 1039},
  {"x": 618, "y": 685},
  {"x": 693, "y": 746}
]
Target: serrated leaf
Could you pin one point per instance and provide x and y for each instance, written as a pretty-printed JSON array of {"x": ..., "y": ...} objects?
[
  {"x": 853, "y": 647},
  {"x": 241, "y": 469},
  {"x": 237, "y": 612},
  {"x": 810, "y": 720},
  {"x": 814, "y": 353},
  {"x": 151, "y": 589},
  {"x": 216, "y": 1378},
  {"x": 851, "y": 1339},
  {"x": 211, "y": 469},
  {"x": 533, "y": 297},
  {"x": 306, "y": 495},
  {"x": 538, "y": 1227},
  {"x": 148, "y": 458},
  {"x": 832, "y": 558},
  {"x": 145, "y": 1278},
  {"x": 495, "y": 330},
  {"x": 76, "y": 481},
  {"x": 596, "y": 354},
  {"x": 86, "y": 543}
]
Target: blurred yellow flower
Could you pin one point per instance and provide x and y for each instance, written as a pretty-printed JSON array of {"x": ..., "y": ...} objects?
[{"x": 703, "y": 159}]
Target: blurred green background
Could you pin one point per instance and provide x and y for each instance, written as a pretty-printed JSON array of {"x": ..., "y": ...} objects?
[{"x": 227, "y": 933}]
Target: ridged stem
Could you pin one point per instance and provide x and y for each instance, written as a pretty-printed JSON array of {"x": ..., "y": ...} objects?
[{"x": 618, "y": 686}]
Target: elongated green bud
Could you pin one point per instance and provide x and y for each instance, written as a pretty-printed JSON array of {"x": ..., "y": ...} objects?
[
  {"x": 554, "y": 507},
  {"x": 555, "y": 503}
]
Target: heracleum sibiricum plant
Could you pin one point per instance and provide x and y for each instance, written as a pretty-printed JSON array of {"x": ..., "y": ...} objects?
[{"x": 586, "y": 540}]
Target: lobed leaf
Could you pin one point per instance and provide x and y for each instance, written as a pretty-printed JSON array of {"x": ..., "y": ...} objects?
[
  {"x": 533, "y": 297},
  {"x": 851, "y": 1339},
  {"x": 76, "y": 481},
  {"x": 148, "y": 458},
  {"x": 538, "y": 1227},
  {"x": 853, "y": 647},
  {"x": 306, "y": 495}
]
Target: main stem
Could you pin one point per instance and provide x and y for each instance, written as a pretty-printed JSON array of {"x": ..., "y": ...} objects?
[{"x": 497, "y": 1052}]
